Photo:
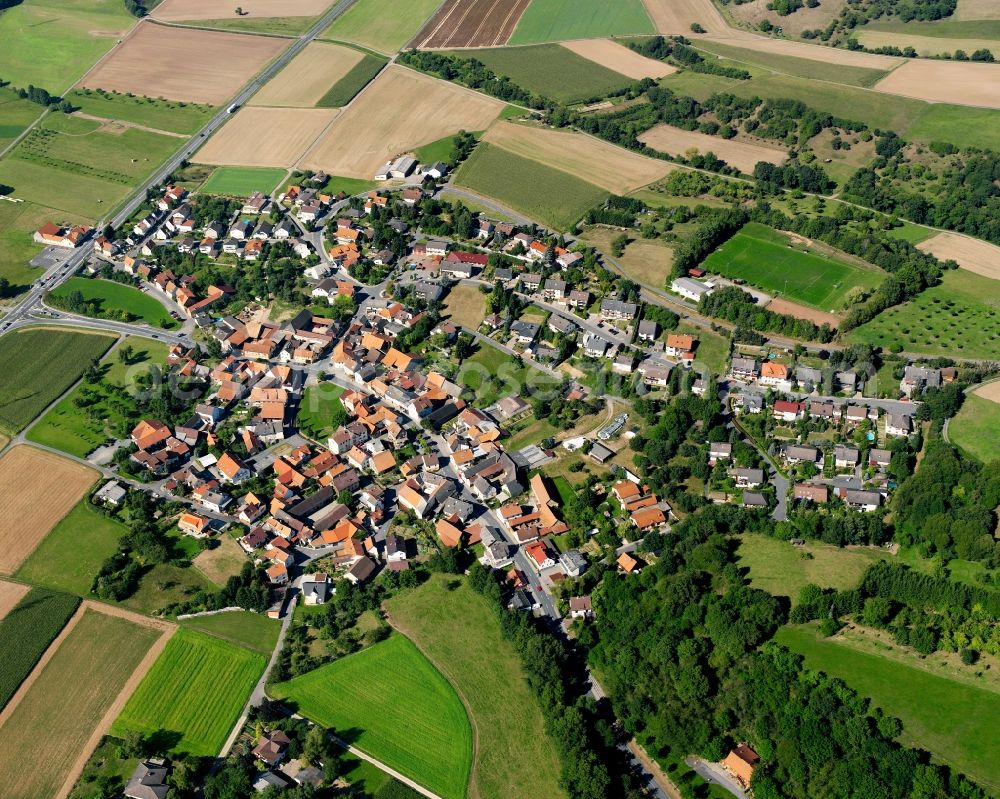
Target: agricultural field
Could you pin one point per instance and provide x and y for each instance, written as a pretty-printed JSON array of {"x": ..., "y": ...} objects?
[
  {"x": 976, "y": 427},
  {"x": 10, "y": 595},
  {"x": 216, "y": 64},
  {"x": 253, "y": 631},
  {"x": 266, "y": 137},
  {"x": 72, "y": 429},
  {"x": 15, "y": 115},
  {"x": 965, "y": 83},
  {"x": 115, "y": 298},
  {"x": 348, "y": 87},
  {"x": 71, "y": 555},
  {"x": 788, "y": 267},
  {"x": 804, "y": 50},
  {"x": 459, "y": 632},
  {"x": 619, "y": 58},
  {"x": 559, "y": 20},
  {"x": 68, "y": 700},
  {"x": 194, "y": 693},
  {"x": 781, "y": 569},
  {"x": 221, "y": 562},
  {"x": 239, "y": 181},
  {"x": 167, "y": 115},
  {"x": 422, "y": 732},
  {"x": 52, "y": 43},
  {"x": 926, "y": 46},
  {"x": 82, "y": 166},
  {"x": 556, "y": 199},
  {"x": 26, "y": 632},
  {"x": 189, "y": 10},
  {"x": 471, "y": 23},
  {"x": 958, "y": 317},
  {"x": 553, "y": 71},
  {"x": 975, "y": 255},
  {"x": 646, "y": 261},
  {"x": 372, "y": 130},
  {"x": 382, "y": 25},
  {"x": 613, "y": 168},
  {"x": 316, "y": 411},
  {"x": 676, "y": 16},
  {"x": 942, "y": 709},
  {"x": 32, "y": 507},
  {"x": 466, "y": 306},
  {"x": 308, "y": 77},
  {"x": 38, "y": 366},
  {"x": 740, "y": 154}
]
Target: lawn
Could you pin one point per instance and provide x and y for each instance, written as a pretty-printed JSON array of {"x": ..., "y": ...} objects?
[
  {"x": 253, "y": 631},
  {"x": 390, "y": 702},
  {"x": 492, "y": 374},
  {"x": 953, "y": 719},
  {"x": 169, "y": 115},
  {"x": 194, "y": 693},
  {"x": 958, "y": 317},
  {"x": 551, "y": 70},
  {"x": 70, "y": 556},
  {"x": 459, "y": 632},
  {"x": 242, "y": 181},
  {"x": 52, "y": 43},
  {"x": 976, "y": 428},
  {"x": 319, "y": 403},
  {"x": 115, "y": 300},
  {"x": 553, "y": 197},
  {"x": 39, "y": 365},
  {"x": 907, "y": 231},
  {"x": 27, "y": 631},
  {"x": 383, "y": 25},
  {"x": 440, "y": 150},
  {"x": 782, "y": 569},
  {"x": 537, "y": 430},
  {"x": 15, "y": 115},
  {"x": 80, "y": 431},
  {"x": 712, "y": 350},
  {"x": 558, "y": 20},
  {"x": 360, "y": 75},
  {"x": 466, "y": 306},
  {"x": 67, "y": 701},
  {"x": 768, "y": 260}
]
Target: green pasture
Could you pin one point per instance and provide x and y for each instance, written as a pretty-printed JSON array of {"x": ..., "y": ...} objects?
[
  {"x": 976, "y": 428},
  {"x": 272, "y": 26},
  {"x": 254, "y": 631},
  {"x": 382, "y": 25},
  {"x": 560, "y": 20},
  {"x": 15, "y": 115},
  {"x": 116, "y": 298},
  {"x": 242, "y": 181},
  {"x": 169, "y": 115},
  {"x": 359, "y": 76}
]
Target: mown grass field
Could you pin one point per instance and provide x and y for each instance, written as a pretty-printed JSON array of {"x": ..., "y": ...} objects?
[
  {"x": 39, "y": 365},
  {"x": 383, "y": 25},
  {"x": 492, "y": 374},
  {"x": 976, "y": 428},
  {"x": 15, "y": 115},
  {"x": 959, "y": 317},
  {"x": 70, "y": 556},
  {"x": 360, "y": 75},
  {"x": 390, "y": 701},
  {"x": 169, "y": 115},
  {"x": 459, "y": 632},
  {"x": 70, "y": 428},
  {"x": 554, "y": 198},
  {"x": 115, "y": 298},
  {"x": 273, "y": 26},
  {"x": 466, "y": 306},
  {"x": 765, "y": 258},
  {"x": 953, "y": 719},
  {"x": 558, "y": 20},
  {"x": 194, "y": 692},
  {"x": 254, "y": 631},
  {"x": 52, "y": 43},
  {"x": 27, "y": 631},
  {"x": 67, "y": 701},
  {"x": 552, "y": 71},
  {"x": 242, "y": 181},
  {"x": 319, "y": 402}
]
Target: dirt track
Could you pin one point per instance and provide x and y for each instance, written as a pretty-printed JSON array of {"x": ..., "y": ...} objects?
[
  {"x": 742, "y": 155},
  {"x": 471, "y": 23},
  {"x": 802, "y": 312},
  {"x": 619, "y": 58},
  {"x": 974, "y": 255}
]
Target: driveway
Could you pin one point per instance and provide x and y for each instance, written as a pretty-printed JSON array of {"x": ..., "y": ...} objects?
[{"x": 714, "y": 774}]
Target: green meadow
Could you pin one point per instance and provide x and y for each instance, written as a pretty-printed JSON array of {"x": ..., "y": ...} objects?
[
  {"x": 169, "y": 115},
  {"x": 560, "y": 20},
  {"x": 242, "y": 181},
  {"x": 976, "y": 428},
  {"x": 382, "y": 25},
  {"x": 114, "y": 299}
]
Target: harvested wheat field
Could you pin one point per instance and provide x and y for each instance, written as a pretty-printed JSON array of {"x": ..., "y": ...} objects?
[
  {"x": 956, "y": 82},
  {"x": 186, "y": 64},
  {"x": 38, "y": 490},
  {"x": 814, "y": 52},
  {"x": 975, "y": 255},
  {"x": 10, "y": 595},
  {"x": 308, "y": 77},
  {"x": 398, "y": 112},
  {"x": 471, "y": 23},
  {"x": 621, "y": 59},
  {"x": 266, "y": 136},
  {"x": 605, "y": 165},
  {"x": 740, "y": 154},
  {"x": 977, "y": 9},
  {"x": 802, "y": 312},
  {"x": 178, "y": 10},
  {"x": 676, "y": 16},
  {"x": 990, "y": 391}
]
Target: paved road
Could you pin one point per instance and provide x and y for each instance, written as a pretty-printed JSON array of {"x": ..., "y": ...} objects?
[
  {"x": 488, "y": 204},
  {"x": 716, "y": 775}
]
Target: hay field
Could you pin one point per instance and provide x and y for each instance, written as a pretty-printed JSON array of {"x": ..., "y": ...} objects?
[
  {"x": 619, "y": 58},
  {"x": 180, "y": 10},
  {"x": 602, "y": 164},
  {"x": 10, "y": 595},
  {"x": 815, "y": 52},
  {"x": 960, "y": 82},
  {"x": 975, "y": 255},
  {"x": 676, "y": 16},
  {"x": 742, "y": 155},
  {"x": 305, "y": 81},
  {"x": 924, "y": 45},
  {"x": 274, "y": 137},
  {"x": 38, "y": 489},
  {"x": 399, "y": 111},
  {"x": 977, "y": 9},
  {"x": 990, "y": 391},
  {"x": 183, "y": 63}
]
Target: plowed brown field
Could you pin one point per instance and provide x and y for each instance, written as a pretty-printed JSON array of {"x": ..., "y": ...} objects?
[{"x": 472, "y": 23}]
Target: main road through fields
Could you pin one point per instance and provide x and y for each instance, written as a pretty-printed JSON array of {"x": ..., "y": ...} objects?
[{"x": 66, "y": 266}]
